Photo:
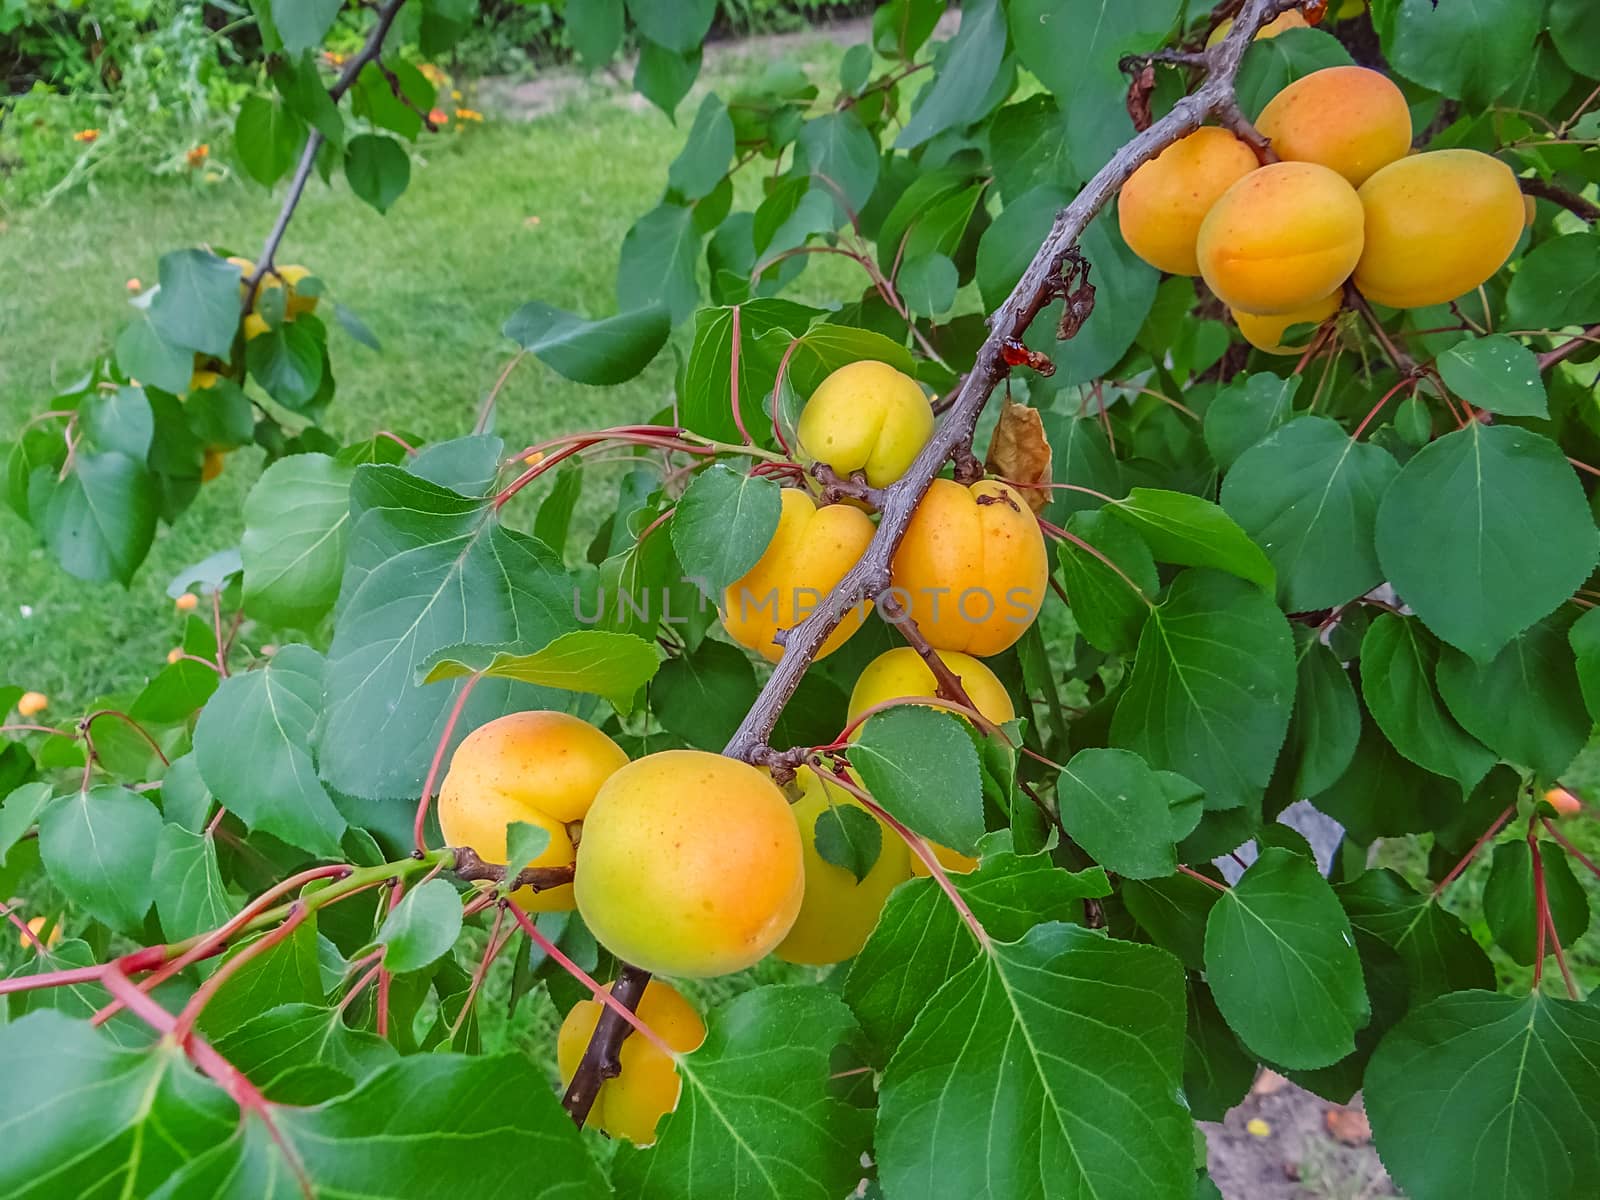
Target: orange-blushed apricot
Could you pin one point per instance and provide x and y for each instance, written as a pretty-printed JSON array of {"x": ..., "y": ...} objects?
[
  {"x": 1293, "y": 19},
  {"x": 1161, "y": 206},
  {"x": 1281, "y": 238},
  {"x": 31, "y": 704},
  {"x": 294, "y": 302},
  {"x": 1351, "y": 119},
  {"x": 809, "y": 552},
  {"x": 971, "y": 569},
  {"x": 540, "y": 767},
  {"x": 36, "y": 927},
  {"x": 868, "y": 417},
  {"x": 900, "y": 673},
  {"x": 691, "y": 864},
  {"x": 1563, "y": 801},
  {"x": 1437, "y": 225},
  {"x": 630, "y": 1105},
  {"x": 838, "y": 911},
  {"x": 212, "y": 463},
  {"x": 1266, "y": 333}
]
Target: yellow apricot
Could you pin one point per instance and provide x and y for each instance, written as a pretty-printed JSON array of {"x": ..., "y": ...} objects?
[
  {"x": 294, "y": 302},
  {"x": 1563, "y": 801},
  {"x": 32, "y": 703},
  {"x": 1530, "y": 212},
  {"x": 1161, "y": 206},
  {"x": 838, "y": 913},
  {"x": 1289, "y": 20},
  {"x": 540, "y": 767},
  {"x": 810, "y": 551},
  {"x": 1266, "y": 333},
  {"x": 971, "y": 569},
  {"x": 200, "y": 380},
  {"x": 866, "y": 417},
  {"x": 1281, "y": 238},
  {"x": 953, "y": 861},
  {"x": 630, "y": 1105},
  {"x": 213, "y": 462},
  {"x": 1437, "y": 225},
  {"x": 187, "y": 602},
  {"x": 175, "y": 655},
  {"x": 1350, "y": 119},
  {"x": 900, "y": 673},
  {"x": 691, "y": 864},
  {"x": 36, "y": 927},
  {"x": 255, "y": 325}
]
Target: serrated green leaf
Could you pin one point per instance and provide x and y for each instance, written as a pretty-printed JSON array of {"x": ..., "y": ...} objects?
[
  {"x": 1508, "y": 899},
  {"x": 702, "y": 697},
  {"x": 97, "y": 846},
  {"x": 296, "y": 520},
  {"x": 422, "y": 927},
  {"x": 189, "y": 894},
  {"x": 1185, "y": 529},
  {"x": 1119, "y": 810},
  {"x": 1439, "y": 954},
  {"x": 609, "y": 350},
  {"x": 919, "y": 764},
  {"x": 849, "y": 838},
  {"x": 1109, "y": 612},
  {"x": 378, "y": 169},
  {"x": 1473, "y": 54},
  {"x": 1495, "y": 373},
  {"x": 100, "y": 520},
  {"x": 1248, "y": 409},
  {"x": 724, "y": 524},
  {"x": 595, "y": 661}
]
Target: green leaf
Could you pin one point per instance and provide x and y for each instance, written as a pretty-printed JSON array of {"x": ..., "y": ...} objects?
[
  {"x": 1248, "y": 409},
  {"x": 705, "y": 156},
  {"x": 1585, "y": 638},
  {"x": 1439, "y": 954},
  {"x": 1576, "y": 34},
  {"x": 928, "y": 284},
  {"x": 657, "y": 266},
  {"x": 1109, "y": 612},
  {"x": 1308, "y": 495},
  {"x": 705, "y": 398},
  {"x": 281, "y": 1040},
  {"x": 287, "y": 972},
  {"x": 189, "y": 895},
  {"x": 355, "y": 327},
  {"x": 595, "y": 30},
  {"x": 595, "y": 661},
  {"x": 1508, "y": 899},
  {"x": 920, "y": 941},
  {"x": 920, "y": 765},
  {"x": 1173, "y": 913},
  {"x": 610, "y": 350},
  {"x": 378, "y": 168},
  {"x": 197, "y": 307},
  {"x": 1525, "y": 704},
  {"x": 702, "y": 697},
  {"x": 1064, "y": 1053},
  {"x": 396, "y": 106},
  {"x": 119, "y": 420},
  {"x": 850, "y": 838},
  {"x": 19, "y": 812},
  {"x": 1557, "y": 284},
  {"x": 143, "y": 353},
  {"x": 679, "y": 25},
  {"x": 1217, "y": 1069},
  {"x": 841, "y": 157},
  {"x": 1027, "y": 148},
  {"x": 1079, "y": 454},
  {"x": 1118, "y": 809},
  {"x": 1495, "y": 373},
  {"x": 1074, "y": 48},
  {"x": 1326, "y": 725},
  {"x": 100, "y": 1121},
  {"x": 1282, "y": 963},
  {"x": 100, "y": 520},
  {"x": 964, "y": 66},
  {"x": 1479, "y": 583},
  {"x": 221, "y": 415},
  {"x": 296, "y": 520},
  {"x": 302, "y": 24},
  {"x": 1473, "y": 53},
  {"x": 1272, "y": 64},
  {"x": 1180, "y": 528},
  {"x": 301, "y": 86},
  {"x": 1211, "y": 689},
  {"x": 1510, "y": 1084},
  {"x": 825, "y": 347},
  {"x": 755, "y": 1116},
  {"x": 422, "y": 927},
  {"x": 1398, "y": 663},
  {"x": 98, "y": 847},
  {"x": 664, "y": 76},
  {"x": 272, "y": 710},
  {"x": 287, "y": 362},
  {"x": 1381, "y": 793},
  {"x": 268, "y": 137},
  {"x": 723, "y": 525}
]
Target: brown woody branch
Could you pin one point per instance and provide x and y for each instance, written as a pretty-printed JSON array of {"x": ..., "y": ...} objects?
[
  {"x": 1556, "y": 194},
  {"x": 836, "y": 487},
  {"x": 601, "y": 1057},
  {"x": 1589, "y": 337},
  {"x": 949, "y": 685},
  {"x": 469, "y": 867}
]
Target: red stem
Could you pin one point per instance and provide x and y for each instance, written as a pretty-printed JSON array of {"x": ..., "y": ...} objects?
[
  {"x": 25, "y": 728},
  {"x": 1061, "y": 534},
  {"x": 1476, "y": 846},
  {"x": 438, "y": 759},
  {"x": 1570, "y": 848},
  {"x": 38, "y": 945},
  {"x": 1378, "y": 407},
  {"x": 733, "y": 381},
  {"x": 1205, "y": 879},
  {"x": 1541, "y": 907},
  {"x": 132, "y": 724},
  {"x": 208, "y": 989}
]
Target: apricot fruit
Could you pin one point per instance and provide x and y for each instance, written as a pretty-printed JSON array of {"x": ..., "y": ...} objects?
[
  {"x": 540, "y": 767},
  {"x": 187, "y": 602},
  {"x": 866, "y": 417},
  {"x": 630, "y": 1105},
  {"x": 971, "y": 569},
  {"x": 691, "y": 864},
  {"x": 809, "y": 552},
  {"x": 31, "y": 704},
  {"x": 255, "y": 325},
  {"x": 1351, "y": 119},
  {"x": 200, "y": 380},
  {"x": 838, "y": 912},
  {"x": 1563, "y": 801},
  {"x": 212, "y": 463},
  {"x": 901, "y": 674},
  {"x": 293, "y": 302},
  {"x": 1163, "y": 203},
  {"x": 1293, "y": 19},
  {"x": 36, "y": 927},
  {"x": 1266, "y": 333},
  {"x": 1281, "y": 238},
  {"x": 1437, "y": 225},
  {"x": 953, "y": 862}
]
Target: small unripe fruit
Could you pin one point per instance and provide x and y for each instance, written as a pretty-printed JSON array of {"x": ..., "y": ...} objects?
[
  {"x": 540, "y": 767},
  {"x": 1563, "y": 801},
  {"x": 200, "y": 380},
  {"x": 1161, "y": 206},
  {"x": 810, "y": 551},
  {"x": 971, "y": 569},
  {"x": 866, "y": 417},
  {"x": 213, "y": 462},
  {"x": 294, "y": 302},
  {"x": 691, "y": 864},
  {"x": 32, "y": 703},
  {"x": 174, "y": 655},
  {"x": 900, "y": 673},
  {"x": 1286, "y": 21},
  {"x": 630, "y": 1105},
  {"x": 255, "y": 325},
  {"x": 838, "y": 913},
  {"x": 1266, "y": 333},
  {"x": 187, "y": 602},
  {"x": 1437, "y": 225},
  {"x": 1281, "y": 238},
  {"x": 1350, "y": 119}
]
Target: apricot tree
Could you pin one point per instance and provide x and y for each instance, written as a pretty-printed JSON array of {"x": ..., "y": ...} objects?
[{"x": 887, "y": 794}]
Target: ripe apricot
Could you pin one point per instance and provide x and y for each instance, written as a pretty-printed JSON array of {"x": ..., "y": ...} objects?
[
  {"x": 630, "y": 1105},
  {"x": 810, "y": 551},
  {"x": 202, "y": 379},
  {"x": 1350, "y": 119},
  {"x": 866, "y": 417},
  {"x": 691, "y": 864},
  {"x": 1266, "y": 333},
  {"x": 900, "y": 673},
  {"x": 540, "y": 767},
  {"x": 1563, "y": 801},
  {"x": 1289, "y": 20},
  {"x": 187, "y": 602},
  {"x": 838, "y": 913},
  {"x": 1281, "y": 238},
  {"x": 32, "y": 703},
  {"x": 1437, "y": 225},
  {"x": 213, "y": 462},
  {"x": 294, "y": 302},
  {"x": 971, "y": 569},
  {"x": 36, "y": 927},
  {"x": 1163, "y": 203},
  {"x": 255, "y": 325}
]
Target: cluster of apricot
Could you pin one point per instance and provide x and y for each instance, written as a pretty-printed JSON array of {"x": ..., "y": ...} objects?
[
  {"x": 690, "y": 864},
  {"x": 1347, "y": 200}
]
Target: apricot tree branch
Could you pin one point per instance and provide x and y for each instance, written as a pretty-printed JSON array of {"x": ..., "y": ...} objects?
[
  {"x": 1556, "y": 194},
  {"x": 470, "y": 867},
  {"x": 602, "y": 1056},
  {"x": 949, "y": 685},
  {"x": 1568, "y": 348}
]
